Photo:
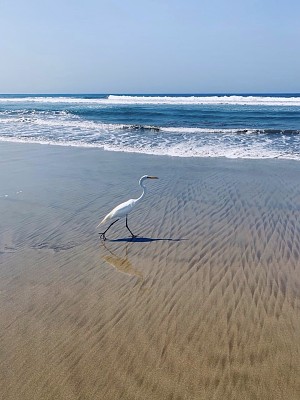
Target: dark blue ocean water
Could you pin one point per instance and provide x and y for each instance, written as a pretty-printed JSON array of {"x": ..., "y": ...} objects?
[{"x": 236, "y": 126}]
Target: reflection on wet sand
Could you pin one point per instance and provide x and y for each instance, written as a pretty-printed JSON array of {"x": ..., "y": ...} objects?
[{"x": 120, "y": 263}]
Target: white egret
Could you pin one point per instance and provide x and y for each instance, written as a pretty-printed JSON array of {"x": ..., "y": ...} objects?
[{"x": 122, "y": 210}]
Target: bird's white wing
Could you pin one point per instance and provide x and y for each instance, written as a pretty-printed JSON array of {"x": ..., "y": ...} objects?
[{"x": 119, "y": 211}]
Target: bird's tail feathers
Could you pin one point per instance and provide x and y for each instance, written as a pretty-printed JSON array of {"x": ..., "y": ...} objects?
[{"x": 103, "y": 221}]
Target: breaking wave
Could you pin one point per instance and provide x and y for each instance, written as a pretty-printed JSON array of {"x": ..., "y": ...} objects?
[{"x": 69, "y": 130}]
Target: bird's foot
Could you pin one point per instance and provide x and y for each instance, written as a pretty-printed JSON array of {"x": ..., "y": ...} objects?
[
  {"x": 102, "y": 236},
  {"x": 133, "y": 236}
]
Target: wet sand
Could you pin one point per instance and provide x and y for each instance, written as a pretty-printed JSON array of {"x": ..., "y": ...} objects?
[{"x": 204, "y": 304}]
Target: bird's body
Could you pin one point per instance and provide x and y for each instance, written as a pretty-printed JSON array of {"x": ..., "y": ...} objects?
[
  {"x": 123, "y": 209},
  {"x": 119, "y": 211}
]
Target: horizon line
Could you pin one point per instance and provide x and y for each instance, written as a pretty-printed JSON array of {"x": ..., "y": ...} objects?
[{"x": 148, "y": 93}]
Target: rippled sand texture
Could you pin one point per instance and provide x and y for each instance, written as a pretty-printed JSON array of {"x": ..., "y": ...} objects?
[{"x": 204, "y": 304}]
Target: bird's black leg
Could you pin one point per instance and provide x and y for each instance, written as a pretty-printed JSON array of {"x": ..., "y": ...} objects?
[
  {"x": 102, "y": 234},
  {"x": 132, "y": 235}
]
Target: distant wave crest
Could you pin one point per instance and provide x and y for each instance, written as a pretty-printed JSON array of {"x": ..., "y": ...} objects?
[
  {"x": 159, "y": 100},
  {"x": 214, "y": 100}
]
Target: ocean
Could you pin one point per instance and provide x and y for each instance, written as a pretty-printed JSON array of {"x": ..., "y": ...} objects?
[{"x": 233, "y": 126}]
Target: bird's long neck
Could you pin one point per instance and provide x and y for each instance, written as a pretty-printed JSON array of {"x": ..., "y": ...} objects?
[{"x": 143, "y": 194}]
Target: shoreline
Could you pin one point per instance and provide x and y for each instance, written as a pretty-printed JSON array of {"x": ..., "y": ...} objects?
[
  {"x": 204, "y": 304},
  {"x": 99, "y": 147}
]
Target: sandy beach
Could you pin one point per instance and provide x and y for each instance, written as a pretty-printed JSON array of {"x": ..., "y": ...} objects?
[{"x": 204, "y": 304}]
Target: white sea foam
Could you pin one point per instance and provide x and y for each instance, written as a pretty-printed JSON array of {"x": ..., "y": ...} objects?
[
  {"x": 60, "y": 120},
  {"x": 63, "y": 121},
  {"x": 214, "y": 100},
  {"x": 70, "y": 130},
  {"x": 48, "y": 100},
  {"x": 257, "y": 151},
  {"x": 161, "y": 100},
  {"x": 27, "y": 118},
  {"x": 193, "y": 130}
]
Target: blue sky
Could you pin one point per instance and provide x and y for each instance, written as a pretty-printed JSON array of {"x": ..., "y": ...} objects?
[{"x": 150, "y": 46}]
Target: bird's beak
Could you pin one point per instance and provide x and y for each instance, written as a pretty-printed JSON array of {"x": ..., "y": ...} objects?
[{"x": 152, "y": 177}]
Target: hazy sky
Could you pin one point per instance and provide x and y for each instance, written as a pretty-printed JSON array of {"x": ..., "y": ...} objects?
[{"x": 149, "y": 46}]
